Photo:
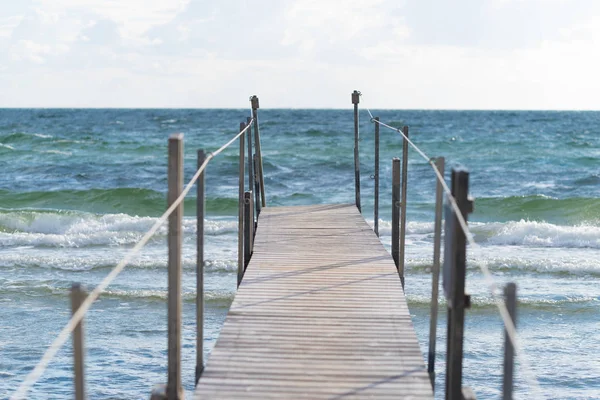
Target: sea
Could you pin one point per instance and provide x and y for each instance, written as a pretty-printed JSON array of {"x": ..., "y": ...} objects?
[{"x": 79, "y": 187}]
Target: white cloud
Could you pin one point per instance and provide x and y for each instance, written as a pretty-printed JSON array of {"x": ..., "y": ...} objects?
[
  {"x": 8, "y": 24},
  {"x": 135, "y": 16},
  {"x": 298, "y": 53},
  {"x": 312, "y": 24},
  {"x": 36, "y": 52}
]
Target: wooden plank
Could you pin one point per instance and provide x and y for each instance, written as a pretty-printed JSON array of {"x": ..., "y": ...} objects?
[{"x": 320, "y": 314}]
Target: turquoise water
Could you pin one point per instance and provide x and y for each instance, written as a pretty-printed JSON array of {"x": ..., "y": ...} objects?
[{"x": 80, "y": 187}]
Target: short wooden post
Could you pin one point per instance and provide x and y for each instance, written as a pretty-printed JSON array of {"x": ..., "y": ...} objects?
[
  {"x": 175, "y": 175},
  {"x": 77, "y": 297},
  {"x": 241, "y": 210},
  {"x": 355, "y": 101},
  {"x": 403, "y": 204},
  {"x": 200, "y": 207},
  {"x": 248, "y": 228},
  {"x": 255, "y": 107},
  {"x": 396, "y": 213},
  {"x": 376, "y": 176},
  {"x": 250, "y": 157},
  {"x": 256, "y": 188},
  {"x": 510, "y": 294},
  {"x": 435, "y": 273},
  {"x": 454, "y": 283}
]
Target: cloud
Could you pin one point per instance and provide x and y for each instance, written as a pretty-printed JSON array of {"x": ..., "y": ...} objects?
[
  {"x": 135, "y": 17},
  {"x": 8, "y": 24},
  {"x": 36, "y": 52},
  {"x": 298, "y": 53}
]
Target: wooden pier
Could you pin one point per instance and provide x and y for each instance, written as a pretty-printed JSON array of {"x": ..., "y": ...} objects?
[
  {"x": 319, "y": 314},
  {"x": 320, "y": 311}
]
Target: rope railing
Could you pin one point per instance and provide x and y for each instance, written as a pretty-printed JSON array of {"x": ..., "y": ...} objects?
[
  {"x": 77, "y": 317},
  {"x": 492, "y": 286}
]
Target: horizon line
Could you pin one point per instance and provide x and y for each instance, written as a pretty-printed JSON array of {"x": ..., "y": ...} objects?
[{"x": 296, "y": 108}]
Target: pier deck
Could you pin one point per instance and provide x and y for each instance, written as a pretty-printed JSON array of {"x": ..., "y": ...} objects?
[{"x": 320, "y": 314}]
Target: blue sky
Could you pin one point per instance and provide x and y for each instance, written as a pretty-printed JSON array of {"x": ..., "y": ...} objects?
[{"x": 463, "y": 54}]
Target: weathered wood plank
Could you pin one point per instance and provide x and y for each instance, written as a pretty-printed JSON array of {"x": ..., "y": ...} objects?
[{"x": 320, "y": 314}]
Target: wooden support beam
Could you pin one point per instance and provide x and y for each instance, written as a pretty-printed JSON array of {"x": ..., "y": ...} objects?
[
  {"x": 355, "y": 101},
  {"x": 455, "y": 270},
  {"x": 200, "y": 207},
  {"x": 175, "y": 240},
  {"x": 435, "y": 272},
  {"x": 77, "y": 297}
]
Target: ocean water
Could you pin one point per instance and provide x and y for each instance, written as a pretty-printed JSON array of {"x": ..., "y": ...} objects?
[{"x": 80, "y": 187}]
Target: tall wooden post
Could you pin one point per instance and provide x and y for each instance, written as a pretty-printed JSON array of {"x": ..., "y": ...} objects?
[
  {"x": 454, "y": 283},
  {"x": 510, "y": 294},
  {"x": 174, "y": 389},
  {"x": 256, "y": 188},
  {"x": 241, "y": 210},
  {"x": 376, "y": 176},
  {"x": 255, "y": 106},
  {"x": 250, "y": 160},
  {"x": 403, "y": 204},
  {"x": 200, "y": 212},
  {"x": 355, "y": 101},
  {"x": 77, "y": 297},
  {"x": 396, "y": 213},
  {"x": 248, "y": 228},
  {"x": 435, "y": 273}
]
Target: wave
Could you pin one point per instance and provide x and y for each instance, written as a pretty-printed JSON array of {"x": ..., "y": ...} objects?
[
  {"x": 554, "y": 262},
  {"x": 211, "y": 296},
  {"x": 524, "y": 302},
  {"x": 540, "y": 234},
  {"x": 513, "y": 233},
  {"x": 538, "y": 208},
  {"x": 77, "y": 229},
  {"x": 152, "y": 260},
  {"x": 62, "y": 289},
  {"x": 132, "y": 201}
]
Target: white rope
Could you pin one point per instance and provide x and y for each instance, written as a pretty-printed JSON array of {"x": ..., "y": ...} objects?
[
  {"x": 507, "y": 320},
  {"x": 62, "y": 337}
]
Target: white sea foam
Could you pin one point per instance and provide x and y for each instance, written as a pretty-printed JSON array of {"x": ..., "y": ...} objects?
[
  {"x": 31, "y": 228},
  {"x": 543, "y": 234},
  {"x": 7, "y": 146},
  {"x": 101, "y": 258},
  {"x": 64, "y": 153},
  {"x": 41, "y": 135},
  {"x": 412, "y": 227},
  {"x": 540, "y": 185},
  {"x": 522, "y": 233}
]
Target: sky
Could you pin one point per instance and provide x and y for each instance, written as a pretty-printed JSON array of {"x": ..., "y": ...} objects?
[{"x": 401, "y": 54}]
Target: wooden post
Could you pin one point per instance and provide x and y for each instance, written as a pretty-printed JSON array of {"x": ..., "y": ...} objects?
[
  {"x": 454, "y": 287},
  {"x": 77, "y": 297},
  {"x": 253, "y": 224},
  {"x": 256, "y": 187},
  {"x": 403, "y": 205},
  {"x": 255, "y": 106},
  {"x": 200, "y": 207},
  {"x": 396, "y": 213},
  {"x": 175, "y": 175},
  {"x": 248, "y": 228},
  {"x": 250, "y": 157},
  {"x": 435, "y": 273},
  {"x": 241, "y": 211},
  {"x": 376, "y": 200},
  {"x": 355, "y": 101},
  {"x": 510, "y": 294}
]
